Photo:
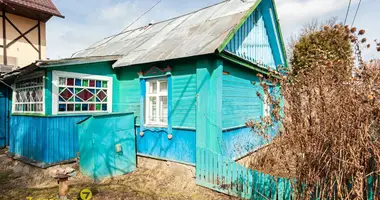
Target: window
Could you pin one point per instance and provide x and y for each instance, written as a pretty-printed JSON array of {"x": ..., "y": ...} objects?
[
  {"x": 28, "y": 95},
  {"x": 157, "y": 102},
  {"x": 267, "y": 106},
  {"x": 81, "y": 93}
]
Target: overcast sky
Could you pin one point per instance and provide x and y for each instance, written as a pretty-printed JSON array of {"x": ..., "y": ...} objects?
[{"x": 88, "y": 21}]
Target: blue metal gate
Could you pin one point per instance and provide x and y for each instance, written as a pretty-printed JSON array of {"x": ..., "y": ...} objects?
[
  {"x": 107, "y": 145},
  {"x": 4, "y": 115}
]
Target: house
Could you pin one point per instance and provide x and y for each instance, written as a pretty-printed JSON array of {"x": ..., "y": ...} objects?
[
  {"x": 189, "y": 81},
  {"x": 23, "y": 41}
]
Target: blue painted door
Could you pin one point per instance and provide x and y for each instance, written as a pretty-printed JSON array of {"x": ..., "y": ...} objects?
[
  {"x": 107, "y": 145},
  {"x": 4, "y": 115}
]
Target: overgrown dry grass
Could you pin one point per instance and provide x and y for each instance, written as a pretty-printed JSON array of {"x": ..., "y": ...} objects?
[{"x": 330, "y": 119}]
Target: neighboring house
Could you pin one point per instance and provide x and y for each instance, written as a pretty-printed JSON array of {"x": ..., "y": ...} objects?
[
  {"x": 190, "y": 82},
  {"x": 23, "y": 30},
  {"x": 23, "y": 41}
]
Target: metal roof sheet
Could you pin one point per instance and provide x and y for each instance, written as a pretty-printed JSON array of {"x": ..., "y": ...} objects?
[{"x": 197, "y": 33}]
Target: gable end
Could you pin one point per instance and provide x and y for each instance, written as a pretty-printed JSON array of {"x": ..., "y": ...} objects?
[{"x": 259, "y": 39}]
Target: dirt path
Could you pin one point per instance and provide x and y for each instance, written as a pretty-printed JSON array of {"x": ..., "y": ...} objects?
[{"x": 152, "y": 180}]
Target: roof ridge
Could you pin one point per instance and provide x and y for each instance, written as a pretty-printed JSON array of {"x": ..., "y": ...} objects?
[
  {"x": 129, "y": 30},
  {"x": 134, "y": 29},
  {"x": 40, "y": 4}
]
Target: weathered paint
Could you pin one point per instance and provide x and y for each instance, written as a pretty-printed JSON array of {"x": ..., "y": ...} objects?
[
  {"x": 184, "y": 95},
  {"x": 44, "y": 141},
  {"x": 99, "y": 137},
  {"x": 209, "y": 104},
  {"x": 274, "y": 32},
  {"x": 239, "y": 142},
  {"x": 155, "y": 143},
  {"x": 240, "y": 100},
  {"x": 240, "y": 104},
  {"x": 130, "y": 91},
  {"x": 181, "y": 105},
  {"x": 222, "y": 174},
  {"x": 253, "y": 40},
  {"x": 5, "y": 107}
]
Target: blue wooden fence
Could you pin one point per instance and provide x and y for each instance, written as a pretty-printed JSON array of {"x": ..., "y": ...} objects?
[
  {"x": 221, "y": 174},
  {"x": 44, "y": 141},
  {"x": 224, "y": 175}
]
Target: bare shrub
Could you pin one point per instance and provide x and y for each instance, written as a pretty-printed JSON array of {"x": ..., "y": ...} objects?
[{"x": 330, "y": 115}]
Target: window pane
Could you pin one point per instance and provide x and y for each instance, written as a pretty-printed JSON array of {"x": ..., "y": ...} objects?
[
  {"x": 163, "y": 110},
  {"x": 163, "y": 86},
  {"x": 83, "y": 93},
  {"x": 29, "y": 95},
  {"x": 152, "y": 103},
  {"x": 153, "y": 87},
  {"x": 62, "y": 81}
]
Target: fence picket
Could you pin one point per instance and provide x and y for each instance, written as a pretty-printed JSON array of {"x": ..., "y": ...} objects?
[{"x": 224, "y": 175}]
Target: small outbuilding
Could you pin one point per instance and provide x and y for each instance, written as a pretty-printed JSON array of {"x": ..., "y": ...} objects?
[{"x": 189, "y": 81}]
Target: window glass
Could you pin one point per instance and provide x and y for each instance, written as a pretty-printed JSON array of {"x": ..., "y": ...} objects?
[
  {"x": 163, "y": 86},
  {"x": 157, "y": 102},
  {"x": 82, "y": 95},
  {"x": 29, "y": 96}
]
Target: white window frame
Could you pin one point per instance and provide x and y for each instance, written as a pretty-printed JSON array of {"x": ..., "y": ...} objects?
[
  {"x": 34, "y": 75},
  {"x": 266, "y": 105},
  {"x": 159, "y": 94},
  {"x": 55, "y": 88}
]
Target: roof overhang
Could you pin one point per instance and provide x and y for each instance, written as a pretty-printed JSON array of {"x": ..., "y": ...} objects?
[
  {"x": 245, "y": 63},
  {"x": 11, "y": 76},
  {"x": 43, "y": 64},
  {"x": 28, "y": 12},
  {"x": 77, "y": 61}
]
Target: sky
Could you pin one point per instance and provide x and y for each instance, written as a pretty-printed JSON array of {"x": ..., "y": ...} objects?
[{"x": 88, "y": 21}]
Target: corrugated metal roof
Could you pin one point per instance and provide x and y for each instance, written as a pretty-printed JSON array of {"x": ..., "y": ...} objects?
[{"x": 197, "y": 33}]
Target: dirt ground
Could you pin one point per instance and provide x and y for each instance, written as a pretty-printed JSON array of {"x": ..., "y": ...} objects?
[{"x": 152, "y": 180}]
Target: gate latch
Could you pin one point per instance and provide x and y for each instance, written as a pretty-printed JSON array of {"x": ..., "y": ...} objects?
[{"x": 118, "y": 148}]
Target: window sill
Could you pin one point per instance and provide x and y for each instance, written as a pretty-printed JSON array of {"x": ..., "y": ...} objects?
[
  {"x": 29, "y": 114},
  {"x": 156, "y": 126}
]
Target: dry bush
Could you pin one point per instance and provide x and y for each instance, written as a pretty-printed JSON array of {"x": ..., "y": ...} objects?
[{"x": 330, "y": 116}]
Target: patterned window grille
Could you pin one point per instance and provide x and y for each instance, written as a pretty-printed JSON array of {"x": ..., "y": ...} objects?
[
  {"x": 78, "y": 95},
  {"x": 28, "y": 96}
]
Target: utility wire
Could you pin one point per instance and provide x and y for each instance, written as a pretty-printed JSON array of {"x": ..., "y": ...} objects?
[
  {"x": 158, "y": 2},
  {"x": 357, "y": 10},
  {"x": 348, "y": 10},
  {"x": 110, "y": 38}
]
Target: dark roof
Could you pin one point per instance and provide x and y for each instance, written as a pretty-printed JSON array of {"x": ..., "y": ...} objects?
[{"x": 44, "y": 6}]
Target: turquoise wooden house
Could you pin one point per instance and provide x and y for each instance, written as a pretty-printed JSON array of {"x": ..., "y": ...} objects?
[{"x": 189, "y": 81}]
